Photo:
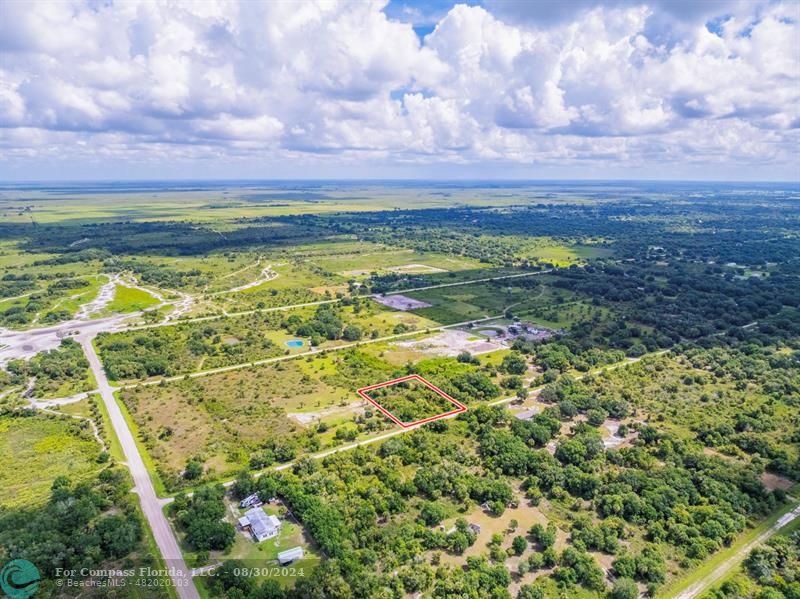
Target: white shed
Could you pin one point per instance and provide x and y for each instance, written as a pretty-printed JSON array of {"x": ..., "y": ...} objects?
[{"x": 290, "y": 555}]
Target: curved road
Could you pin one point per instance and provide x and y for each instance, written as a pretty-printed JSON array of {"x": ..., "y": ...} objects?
[{"x": 142, "y": 485}]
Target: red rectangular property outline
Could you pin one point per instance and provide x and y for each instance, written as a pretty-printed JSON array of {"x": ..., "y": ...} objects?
[{"x": 459, "y": 406}]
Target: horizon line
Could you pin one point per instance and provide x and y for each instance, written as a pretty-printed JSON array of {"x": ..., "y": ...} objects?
[{"x": 10, "y": 182}]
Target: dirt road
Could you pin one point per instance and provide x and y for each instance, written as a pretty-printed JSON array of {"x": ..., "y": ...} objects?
[
  {"x": 703, "y": 585},
  {"x": 314, "y": 351},
  {"x": 399, "y": 431},
  {"x": 330, "y": 301},
  {"x": 22, "y": 345},
  {"x": 142, "y": 485}
]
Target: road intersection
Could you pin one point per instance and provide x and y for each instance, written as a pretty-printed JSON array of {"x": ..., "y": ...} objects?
[{"x": 84, "y": 331}]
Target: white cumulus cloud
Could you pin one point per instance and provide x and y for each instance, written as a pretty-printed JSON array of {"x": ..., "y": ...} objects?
[{"x": 620, "y": 83}]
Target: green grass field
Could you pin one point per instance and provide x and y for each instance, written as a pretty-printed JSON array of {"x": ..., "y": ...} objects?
[
  {"x": 359, "y": 259},
  {"x": 40, "y": 449},
  {"x": 562, "y": 316},
  {"x": 566, "y": 255},
  {"x": 479, "y": 300},
  {"x": 91, "y": 206},
  {"x": 129, "y": 299}
]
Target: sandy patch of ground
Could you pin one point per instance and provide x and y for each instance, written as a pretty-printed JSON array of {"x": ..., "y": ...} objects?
[
  {"x": 21, "y": 345},
  {"x": 400, "y": 302},
  {"x": 612, "y": 440},
  {"x": 104, "y": 297},
  {"x": 774, "y": 481},
  {"x": 267, "y": 274},
  {"x": 180, "y": 307},
  {"x": 333, "y": 289},
  {"x": 523, "y": 413},
  {"x": 415, "y": 269},
  {"x": 450, "y": 343},
  {"x": 59, "y": 401},
  {"x": 717, "y": 454},
  {"x": 525, "y": 514},
  {"x": 306, "y": 418}
]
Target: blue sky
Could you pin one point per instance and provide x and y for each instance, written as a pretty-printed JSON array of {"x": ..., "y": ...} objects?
[{"x": 665, "y": 89}]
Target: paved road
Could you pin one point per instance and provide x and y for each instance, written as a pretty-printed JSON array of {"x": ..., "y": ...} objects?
[
  {"x": 142, "y": 485},
  {"x": 30, "y": 342},
  {"x": 703, "y": 585}
]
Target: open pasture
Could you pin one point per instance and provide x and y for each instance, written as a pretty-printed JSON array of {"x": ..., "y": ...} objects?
[
  {"x": 564, "y": 315},
  {"x": 40, "y": 449},
  {"x": 481, "y": 300},
  {"x": 367, "y": 258},
  {"x": 74, "y": 203},
  {"x": 220, "y": 419},
  {"x": 130, "y": 299},
  {"x": 560, "y": 253}
]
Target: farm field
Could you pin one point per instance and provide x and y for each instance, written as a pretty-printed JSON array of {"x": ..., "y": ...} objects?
[
  {"x": 362, "y": 259},
  {"x": 564, "y": 255},
  {"x": 162, "y": 202}
]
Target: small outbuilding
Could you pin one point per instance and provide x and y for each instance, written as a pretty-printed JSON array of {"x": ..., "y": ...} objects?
[
  {"x": 290, "y": 555},
  {"x": 525, "y": 414}
]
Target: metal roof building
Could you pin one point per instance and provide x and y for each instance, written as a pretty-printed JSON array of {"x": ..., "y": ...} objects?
[
  {"x": 262, "y": 526},
  {"x": 290, "y": 555}
]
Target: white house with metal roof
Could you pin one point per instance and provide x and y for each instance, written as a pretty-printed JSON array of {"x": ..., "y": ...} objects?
[{"x": 261, "y": 526}]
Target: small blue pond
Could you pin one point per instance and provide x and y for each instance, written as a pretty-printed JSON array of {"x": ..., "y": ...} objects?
[{"x": 295, "y": 343}]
